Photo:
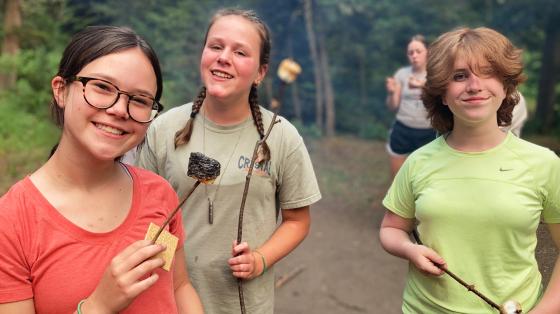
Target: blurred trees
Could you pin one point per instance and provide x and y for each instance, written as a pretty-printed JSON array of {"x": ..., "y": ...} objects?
[
  {"x": 39, "y": 39},
  {"x": 547, "y": 105},
  {"x": 10, "y": 44},
  {"x": 346, "y": 49}
]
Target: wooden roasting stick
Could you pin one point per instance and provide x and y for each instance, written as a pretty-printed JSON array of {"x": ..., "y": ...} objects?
[
  {"x": 508, "y": 307},
  {"x": 288, "y": 71},
  {"x": 204, "y": 170}
]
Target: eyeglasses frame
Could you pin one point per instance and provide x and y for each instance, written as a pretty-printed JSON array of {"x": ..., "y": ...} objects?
[{"x": 85, "y": 79}]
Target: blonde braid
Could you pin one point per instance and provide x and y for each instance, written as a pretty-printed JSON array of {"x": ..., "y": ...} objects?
[
  {"x": 257, "y": 119},
  {"x": 183, "y": 136}
]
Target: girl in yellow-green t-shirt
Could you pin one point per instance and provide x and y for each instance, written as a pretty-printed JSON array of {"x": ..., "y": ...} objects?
[{"x": 476, "y": 192}]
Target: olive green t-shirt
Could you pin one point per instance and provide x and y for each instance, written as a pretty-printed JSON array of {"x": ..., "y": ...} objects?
[
  {"x": 480, "y": 212},
  {"x": 287, "y": 181}
]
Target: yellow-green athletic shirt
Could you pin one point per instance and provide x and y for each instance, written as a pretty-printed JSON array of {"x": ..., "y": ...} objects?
[{"x": 480, "y": 212}]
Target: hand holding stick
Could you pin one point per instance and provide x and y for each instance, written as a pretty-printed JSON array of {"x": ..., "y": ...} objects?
[
  {"x": 202, "y": 168},
  {"x": 509, "y": 307}
]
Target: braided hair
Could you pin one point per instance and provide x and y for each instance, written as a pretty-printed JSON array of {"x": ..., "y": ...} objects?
[{"x": 183, "y": 136}]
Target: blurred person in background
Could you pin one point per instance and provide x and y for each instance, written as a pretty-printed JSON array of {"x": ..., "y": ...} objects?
[{"x": 411, "y": 128}]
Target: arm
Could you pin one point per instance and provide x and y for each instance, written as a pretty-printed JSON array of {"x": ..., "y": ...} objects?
[
  {"x": 185, "y": 296},
  {"x": 293, "y": 229},
  {"x": 393, "y": 93},
  {"x": 395, "y": 240},
  {"x": 20, "y": 307},
  {"x": 550, "y": 303}
]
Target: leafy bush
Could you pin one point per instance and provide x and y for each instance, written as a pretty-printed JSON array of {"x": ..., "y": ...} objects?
[
  {"x": 25, "y": 141},
  {"x": 35, "y": 69}
]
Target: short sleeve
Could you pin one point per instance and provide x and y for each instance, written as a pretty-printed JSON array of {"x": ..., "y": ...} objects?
[
  {"x": 551, "y": 206},
  {"x": 400, "y": 196},
  {"x": 15, "y": 281},
  {"x": 298, "y": 185},
  {"x": 402, "y": 76}
]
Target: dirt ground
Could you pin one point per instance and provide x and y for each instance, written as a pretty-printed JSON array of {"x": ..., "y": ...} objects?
[{"x": 341, "y": 267}]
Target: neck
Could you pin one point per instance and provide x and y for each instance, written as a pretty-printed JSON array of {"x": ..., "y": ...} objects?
[
  {"x": 475, "y": 139},
  {"x": 72, "y": 170},
  {"x": 419, "y": 69},
  {"x": 226, "y": 113}
]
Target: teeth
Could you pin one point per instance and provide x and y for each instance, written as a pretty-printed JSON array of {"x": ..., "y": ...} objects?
[
  {"x": 109, "y": 129},
  {"x": 222, "y": 74}
]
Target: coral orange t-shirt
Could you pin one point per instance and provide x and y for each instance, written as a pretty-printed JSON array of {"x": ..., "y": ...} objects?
[{"x": 46, "y": 257}]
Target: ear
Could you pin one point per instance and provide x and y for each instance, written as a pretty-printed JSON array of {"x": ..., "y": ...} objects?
[
  {"x": 262, "y": 73},
  {"x": 443, "y": 100},
  {"x": 58, "y": 86}
]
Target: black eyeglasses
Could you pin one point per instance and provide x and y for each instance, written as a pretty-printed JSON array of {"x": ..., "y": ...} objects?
[{"x": 103, "y": 94}]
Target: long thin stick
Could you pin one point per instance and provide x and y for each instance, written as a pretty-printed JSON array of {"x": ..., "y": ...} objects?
[
  {"x": 195, "y": 185},
  {"x": 249, "y": 175},
  {"x": 459, "y": 280},
  {"x": 246, "y": 192},
  {"x": 244, "y": 199}
]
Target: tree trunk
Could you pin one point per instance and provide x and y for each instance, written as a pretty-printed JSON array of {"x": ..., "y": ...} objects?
[
  {"x": 10, "y": 44},
  {"x": 294, "y": 89},
  {"x": 308, "y": 13},
  {"x": 296, "y": 102},
  {"x": 330, "y": 111},
  {"x": 363, "y": 78},
  {"x": 549, "y": 75}
]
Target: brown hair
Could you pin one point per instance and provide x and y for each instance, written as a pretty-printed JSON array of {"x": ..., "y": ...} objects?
[
  {"x": 419, "y": 38},
  {"x": 474, "y": 45},
  {"x": 92, "y": 43},
  {"x": 95, "y": 42},
  {"x": 184, "y": 135}
]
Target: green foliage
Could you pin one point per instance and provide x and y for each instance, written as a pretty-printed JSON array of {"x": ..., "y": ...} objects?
[
  {"x": 175, "y": 29},
  {"x": 25, "y": 142},
  {"x": 22, "y": 130},
  {"x": 310, "y": 131},
  {"x": 35, "y": 69},
  {"x": 26, "y": 134},
  {"x": 365, "y": 40}
]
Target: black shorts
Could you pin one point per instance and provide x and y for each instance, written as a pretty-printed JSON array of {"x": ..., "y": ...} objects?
[{"x": 403, "y": 140}]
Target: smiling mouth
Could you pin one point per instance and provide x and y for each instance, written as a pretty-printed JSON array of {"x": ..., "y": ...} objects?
[
  {"x": 475, "y": 99},
  {"x": 109, "y": 129},
  {"x": 221, "y": 74}
]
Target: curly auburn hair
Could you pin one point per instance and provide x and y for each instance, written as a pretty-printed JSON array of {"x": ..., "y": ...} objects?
[{"x": 477, "y": 46}]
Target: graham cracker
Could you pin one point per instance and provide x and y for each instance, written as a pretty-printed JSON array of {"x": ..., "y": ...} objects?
[{"x": 169, "y": 240}]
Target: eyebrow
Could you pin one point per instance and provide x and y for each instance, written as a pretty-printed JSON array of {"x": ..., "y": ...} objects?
[{"x": 236, "y": 44}]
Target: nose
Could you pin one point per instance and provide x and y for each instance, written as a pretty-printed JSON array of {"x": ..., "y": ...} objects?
[
  {"x": 120, "y": 108},
  {"x": 473, "y": 84},
  {"x": 224, "y": 57}
]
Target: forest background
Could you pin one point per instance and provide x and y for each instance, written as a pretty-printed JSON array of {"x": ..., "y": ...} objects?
[{"x": 346, "y": 49}]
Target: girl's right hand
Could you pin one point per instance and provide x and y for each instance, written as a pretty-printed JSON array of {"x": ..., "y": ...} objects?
[
  {"x": 426, "y": 259},
  {"x": 390, "y": 85},
  {"x": 128, "y": 274}
]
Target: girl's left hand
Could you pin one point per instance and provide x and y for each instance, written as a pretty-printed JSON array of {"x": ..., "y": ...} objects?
[{"x": 243, "y": 264}]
